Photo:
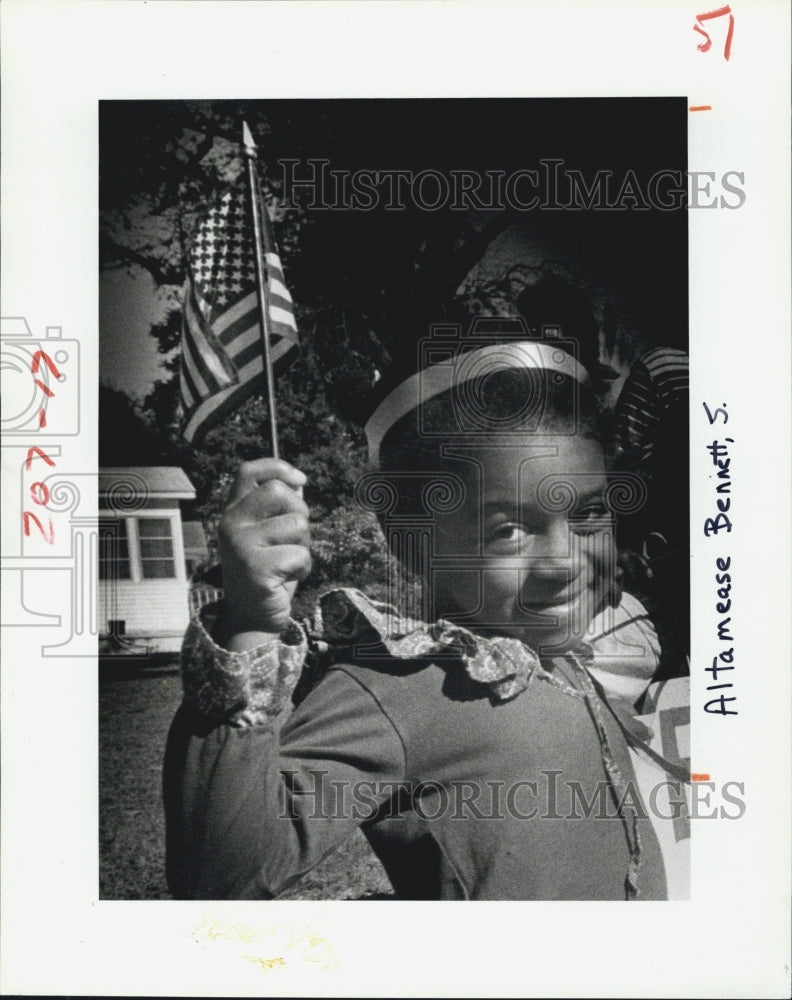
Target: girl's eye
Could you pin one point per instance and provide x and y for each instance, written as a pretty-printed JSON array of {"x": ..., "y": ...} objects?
[
  {"x": 594, "y": 510},
  {"x": 509, "y": 536},
  {"x": 591, "y": 518}
]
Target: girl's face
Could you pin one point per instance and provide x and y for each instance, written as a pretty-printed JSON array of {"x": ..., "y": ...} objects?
[{"x": 530, "y": 551}]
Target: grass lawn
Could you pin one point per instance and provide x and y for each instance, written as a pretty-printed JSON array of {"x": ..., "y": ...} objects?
[{"x": 136, "y": 707}]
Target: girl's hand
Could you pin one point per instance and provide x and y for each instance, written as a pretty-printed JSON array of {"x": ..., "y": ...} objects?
[{"x": 263, "y": 541}]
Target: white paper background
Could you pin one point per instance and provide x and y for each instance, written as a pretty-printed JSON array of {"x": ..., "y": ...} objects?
[{"x": 732, "y": 939}]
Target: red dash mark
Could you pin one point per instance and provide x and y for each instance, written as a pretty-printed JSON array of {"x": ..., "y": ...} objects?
[
  {"x": 700, "y": 107},
  {"x": 42, "y": 418},
  {"x": 695, "y": 776},
  {"x": 706, "y": 45},
  {"x": 45, "y": 389}
]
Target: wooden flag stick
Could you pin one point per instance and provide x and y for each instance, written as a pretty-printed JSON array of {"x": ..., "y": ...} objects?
[{"x": 251, "y": 156}]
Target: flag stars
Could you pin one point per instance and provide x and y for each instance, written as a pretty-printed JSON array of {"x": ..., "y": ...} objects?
[
  {"x": 222, "y": 273},
  {"x": 221, "y": 257}
]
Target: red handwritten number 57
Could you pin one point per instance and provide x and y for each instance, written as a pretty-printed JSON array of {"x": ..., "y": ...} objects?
[{"x": 706, "y": 45}]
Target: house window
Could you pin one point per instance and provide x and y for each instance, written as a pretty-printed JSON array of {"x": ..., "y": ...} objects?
[
  {"x": 137, "y": 548},
  {"x": 155, "y": 538},
  {"x": 114, "y": 561}
]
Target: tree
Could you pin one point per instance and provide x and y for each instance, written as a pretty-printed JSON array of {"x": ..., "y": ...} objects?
[
  {"x": 128, "y": 435},
  {"x": 368, "y": 284},
  {"x": 364, "y": 282}
]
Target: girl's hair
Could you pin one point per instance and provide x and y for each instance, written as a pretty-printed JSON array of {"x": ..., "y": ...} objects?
[{"x": 510, "y": 404}]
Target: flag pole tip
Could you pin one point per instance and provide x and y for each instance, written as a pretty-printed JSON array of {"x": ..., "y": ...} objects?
[{"x": 247, "y": 136}]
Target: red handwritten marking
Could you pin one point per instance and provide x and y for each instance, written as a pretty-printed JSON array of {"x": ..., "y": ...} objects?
[
  {"x": 700, "y": 107},
  {"x": 40, "y": 356},
  {"x": 47, "y": 391},
  {"x": 27, "y": 517},
  {"x": 31, "y": 455},
  {"x": 695, "y": 776},
  {"x": 706, "y": 45},
  {"x": 39, "y": 493}
]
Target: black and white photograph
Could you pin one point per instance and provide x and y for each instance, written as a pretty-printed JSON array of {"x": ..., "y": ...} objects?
[
  {"x": 432, "y": 534},
  {"x": 393, "y": 397}
]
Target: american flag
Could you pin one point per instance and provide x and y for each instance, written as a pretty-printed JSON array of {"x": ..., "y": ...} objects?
[{"x": 222, "y": 361}]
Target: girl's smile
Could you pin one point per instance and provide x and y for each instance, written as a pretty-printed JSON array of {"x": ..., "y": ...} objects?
[{"x": 532, "y": 541}]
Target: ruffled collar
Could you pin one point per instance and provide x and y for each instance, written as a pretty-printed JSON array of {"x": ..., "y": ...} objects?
[
  {"x": 621, "y": 654},
  {"x": 347, "y": 619}
]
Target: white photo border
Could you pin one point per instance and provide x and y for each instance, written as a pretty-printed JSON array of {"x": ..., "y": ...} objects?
[{"x": 732, "y": 939}]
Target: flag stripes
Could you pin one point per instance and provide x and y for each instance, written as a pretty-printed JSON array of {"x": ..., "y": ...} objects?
[
  {"x": 281, "y": 306},
  {"x": 251, "y": 377},
  {"x": 222, "y": 351}
]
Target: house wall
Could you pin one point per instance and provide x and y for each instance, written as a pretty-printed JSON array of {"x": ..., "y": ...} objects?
[{"x": 154, "y": 611}]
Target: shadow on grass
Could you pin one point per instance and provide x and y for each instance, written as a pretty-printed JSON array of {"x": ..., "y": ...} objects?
[{"x": 137, "y": 701}]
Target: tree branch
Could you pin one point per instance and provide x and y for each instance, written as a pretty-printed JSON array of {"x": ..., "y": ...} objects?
[
  {"x": 113, "y": 254},
  {"x": 471, "y": 253}
]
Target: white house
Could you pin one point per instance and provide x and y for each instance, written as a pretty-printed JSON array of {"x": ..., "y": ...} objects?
[
  {"x": 143, "y": 581},
  {"x": 196, "y": 548}
]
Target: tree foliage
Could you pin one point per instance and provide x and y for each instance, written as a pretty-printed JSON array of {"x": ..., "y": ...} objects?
[
  {"x": 369, "y": 284},
  {"x": 128, "y": 435},
  {"x": 365, "y": 284}
]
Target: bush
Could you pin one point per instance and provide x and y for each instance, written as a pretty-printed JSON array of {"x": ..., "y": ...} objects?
[{"x": 348, "y": 548}]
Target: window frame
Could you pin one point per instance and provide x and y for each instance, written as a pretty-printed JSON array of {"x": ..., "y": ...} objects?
[
  {"x": 170, "y": 538},
  {"x": 105, "y": 534},
  {"x": 135, "y": 556}
]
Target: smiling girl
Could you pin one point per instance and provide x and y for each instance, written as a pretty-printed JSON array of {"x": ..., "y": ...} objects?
[{"x": 483, "y": 745}]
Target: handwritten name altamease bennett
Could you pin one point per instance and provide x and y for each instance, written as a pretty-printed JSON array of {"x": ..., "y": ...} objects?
[{"x": 723, "y": 665}]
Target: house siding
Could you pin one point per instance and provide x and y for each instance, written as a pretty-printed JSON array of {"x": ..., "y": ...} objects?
[{"x": 155, "y": 612}]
